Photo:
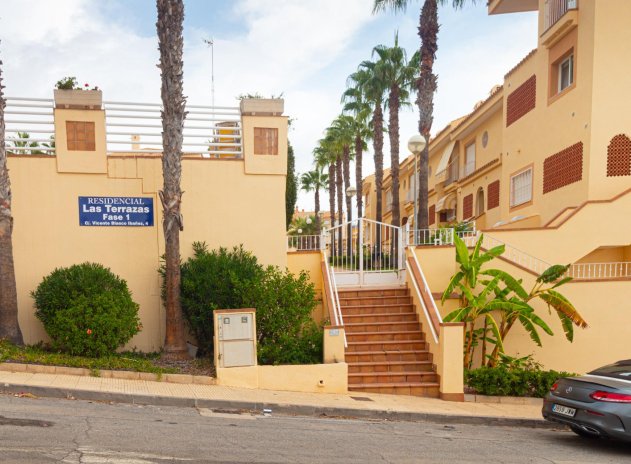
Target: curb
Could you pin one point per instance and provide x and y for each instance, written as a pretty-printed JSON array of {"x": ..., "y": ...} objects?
[{"x": 278, "y": 408}]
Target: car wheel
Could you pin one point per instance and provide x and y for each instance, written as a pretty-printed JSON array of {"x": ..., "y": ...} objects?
[{"x": 583, "y": 433}]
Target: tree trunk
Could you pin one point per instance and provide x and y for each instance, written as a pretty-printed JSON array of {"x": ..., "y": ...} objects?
[
  {"x": 426, "y": 87},
  {"x": 9, "y": 326},
  {"x": 340, "y": 203},
  {"x": 170, "y": 39},
  {"x": 393, "y": 133},
  {"x": 358, "y": 175},
  {"x": 332, "y": 205},
  {"x": 317, "y": 210},
  {"x": 378, "y": 146},
  {"x": 349, "y": 201}
]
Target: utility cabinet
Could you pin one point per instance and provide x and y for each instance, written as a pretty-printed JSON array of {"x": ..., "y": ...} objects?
[{"x": 235, "y": 337}]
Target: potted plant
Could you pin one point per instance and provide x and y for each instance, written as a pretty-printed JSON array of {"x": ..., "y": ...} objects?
[{"x": 69, "y": 94}]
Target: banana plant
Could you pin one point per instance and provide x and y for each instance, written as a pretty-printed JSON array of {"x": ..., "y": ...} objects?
[{"x": 502, "y": 296}]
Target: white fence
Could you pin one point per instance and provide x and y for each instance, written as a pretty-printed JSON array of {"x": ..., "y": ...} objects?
[
  {"x": 209, "y": 132},
  {"x": 30, "y": 126},
  {"x": 304, "y": 242},
  {"x": 619, "y": 270}
]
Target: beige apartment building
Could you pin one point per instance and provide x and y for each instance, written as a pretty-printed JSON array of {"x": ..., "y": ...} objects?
[{"x": 553, "y": 135}]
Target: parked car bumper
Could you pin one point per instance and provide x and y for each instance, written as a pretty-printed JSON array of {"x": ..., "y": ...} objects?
[{"x": 600, "y": 421}]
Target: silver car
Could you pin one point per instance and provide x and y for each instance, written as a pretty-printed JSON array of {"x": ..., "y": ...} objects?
[{"x": 594, "y": 405}]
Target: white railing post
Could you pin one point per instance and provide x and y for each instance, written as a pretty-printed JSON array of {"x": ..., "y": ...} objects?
[{"x": 360, "y": 248}]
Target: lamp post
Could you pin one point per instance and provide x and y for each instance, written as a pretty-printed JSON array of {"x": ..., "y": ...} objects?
[{"x": 416, "y": 144}]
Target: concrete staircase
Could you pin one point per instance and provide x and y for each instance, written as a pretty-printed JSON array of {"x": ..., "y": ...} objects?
[{"x": 386, "y": 352}]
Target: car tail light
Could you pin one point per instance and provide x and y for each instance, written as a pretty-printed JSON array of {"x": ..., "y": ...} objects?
[
  {"x": 611, "y": 397},
  {"x": 554, "y": 387}
]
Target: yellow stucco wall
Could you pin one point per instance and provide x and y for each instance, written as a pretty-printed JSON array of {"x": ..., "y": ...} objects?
[
  {"x": 222, "y": 205},
  {"x": 309, "y": 261}
]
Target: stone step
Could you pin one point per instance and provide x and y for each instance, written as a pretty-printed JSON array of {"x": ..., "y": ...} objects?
[
  {"x": 399, "y": 335},
  {"x": 379, "y": 317},
  {"x": 386, "y": 345},
  {"x": 381, "y": 326},
  {"x": 430, "y": 389},
  {"x": 393, "y": 291},
  {"x": 381, "y": 309},
  {"x": 365, "y": 378},
  {"x": 390, "y": 366},
  {"x": 387, "y": 356},
  {"x": 375, "y": 301}
]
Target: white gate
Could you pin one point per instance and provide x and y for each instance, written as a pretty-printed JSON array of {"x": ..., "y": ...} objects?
[{"x": 365, "y": 252}]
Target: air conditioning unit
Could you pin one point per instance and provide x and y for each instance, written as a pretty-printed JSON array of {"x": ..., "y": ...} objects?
[{"x": 572, "y": 4}]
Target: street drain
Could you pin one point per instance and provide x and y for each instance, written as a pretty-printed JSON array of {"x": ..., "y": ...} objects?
[{"x": 360, "y": 398}]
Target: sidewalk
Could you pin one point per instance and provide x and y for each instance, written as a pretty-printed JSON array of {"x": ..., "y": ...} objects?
[{"x": 353, "y": 404}]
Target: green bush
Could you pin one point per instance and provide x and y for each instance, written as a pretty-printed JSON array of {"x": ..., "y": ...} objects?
[
  {"x": 232, "y": 279},
  {"x": 86, "y": 310},
  {"x": 502, "y": 381}
]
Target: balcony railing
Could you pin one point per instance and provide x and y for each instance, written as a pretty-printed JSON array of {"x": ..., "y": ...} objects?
[
  {"x": 303, "y": 242},
  {"x": 554, "y": 11},
  {"x": 452, "y": 171},
  {"x": 209, "y": 132}
]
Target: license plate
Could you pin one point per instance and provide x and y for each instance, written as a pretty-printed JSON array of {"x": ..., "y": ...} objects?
[{"x": 563, "y": 410}]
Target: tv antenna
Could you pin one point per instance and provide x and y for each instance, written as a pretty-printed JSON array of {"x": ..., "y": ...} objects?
[{"x": 211, "y": 43}]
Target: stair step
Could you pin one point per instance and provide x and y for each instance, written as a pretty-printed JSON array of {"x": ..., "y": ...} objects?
[
  {"x": 386, "y": 345},
  {"x": 374, "y": 300},
  {"x": 387, "y": 356},
  {"x": 394, "y": 291},
  {"x": 389, "y": 366},
  {"x": 379, "y": 317},
  {"x": 399, "y": 335},
  {"x": 381, "y": 326},
  {"x": 365, "y": 378},
  {"x": 380, "y": 309},
  {"x": 429, "y": 389}
]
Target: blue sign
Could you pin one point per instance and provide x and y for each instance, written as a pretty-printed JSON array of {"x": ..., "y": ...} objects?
[{"x": 116, "y": 211}]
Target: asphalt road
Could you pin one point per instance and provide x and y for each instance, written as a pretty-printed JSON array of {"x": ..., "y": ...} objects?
[{"x": 35, "y": 430}]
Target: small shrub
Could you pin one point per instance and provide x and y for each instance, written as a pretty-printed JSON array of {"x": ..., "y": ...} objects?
[
  {"x": 285, "y": 330},
  {"x": 214, "y": 280},
  {"x": 86, "y": 310},
  {"x": 502, "y": 381},
  {"x": 232, "y": 279}
]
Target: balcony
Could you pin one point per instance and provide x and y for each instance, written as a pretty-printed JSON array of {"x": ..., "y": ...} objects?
[{"x": 554, "y": 10}]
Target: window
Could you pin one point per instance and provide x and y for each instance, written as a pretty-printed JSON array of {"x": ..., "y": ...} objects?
[
  {"x": 566, "y": 73},
  {"x": 479, "y": 203},
  {"x": 388, "y": 200},
  {"x": 411, "y": 188},
  {"x": 521, "y": 188},
  {"x": 469, "y": 159}
]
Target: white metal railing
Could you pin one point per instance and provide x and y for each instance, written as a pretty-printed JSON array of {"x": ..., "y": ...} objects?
[
  {"x": 338, "y": 318},
  {"x": 555, "y": 9},
  {"x": 516, "y": 255},
  {"x": 303, "y": 242},
  {"x": 441, "y": 236},
  {"x": 600, "y": 270},
  {"x": 30, "y": 126},
  {"x": 211, "y": 132},
  {"x": 419, "y": 291}
]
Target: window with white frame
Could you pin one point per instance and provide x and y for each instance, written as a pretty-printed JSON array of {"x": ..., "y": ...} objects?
[
  {"x": 388, "y": 200},
  {"x": 411, "y": 187},
  {"x": 469, "y": 159},
  {"x": 521, "y": 188},
  {"x": 566, "y": 73}
]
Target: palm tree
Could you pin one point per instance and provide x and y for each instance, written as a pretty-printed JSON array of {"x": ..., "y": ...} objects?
[
  {"x": 425, "y": 86},
  {"x": 399, "y": 75},
  {"x": 170, "y": 43},
  {"x": 324, "y": 157},
  {"x": 355, "y": 103},
  {"x": 313, "y": 181},
  {"x": 9, "y": 326}
]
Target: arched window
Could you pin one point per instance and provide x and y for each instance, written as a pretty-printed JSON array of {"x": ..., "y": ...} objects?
[
  {"x": 479, "y": 202},
  {"x": 619, "y": 156}
]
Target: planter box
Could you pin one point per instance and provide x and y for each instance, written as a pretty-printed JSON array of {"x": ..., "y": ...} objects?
[
  {"x": 78, "y": 99},
  {"x": 262, "y": 106}
]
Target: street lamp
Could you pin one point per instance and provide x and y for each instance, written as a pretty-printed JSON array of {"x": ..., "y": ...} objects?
[
  {"x": 416, "y": 144},
  {"x": 351, "y": 191}
]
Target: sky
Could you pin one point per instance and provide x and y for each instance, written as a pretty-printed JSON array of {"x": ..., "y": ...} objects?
[{"x": 302, "y": 49}]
